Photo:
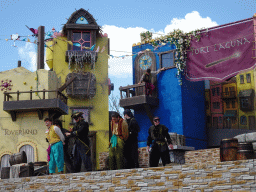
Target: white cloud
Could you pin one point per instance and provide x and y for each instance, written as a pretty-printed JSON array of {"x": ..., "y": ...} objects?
[
  {"x": 121, "y": 39},
  {"x": 28, "y": 55},
  {"x": 192, "y": 21}
]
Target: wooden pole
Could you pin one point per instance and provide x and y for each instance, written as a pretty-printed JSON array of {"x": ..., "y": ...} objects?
[{"x": 40, "y": 52}]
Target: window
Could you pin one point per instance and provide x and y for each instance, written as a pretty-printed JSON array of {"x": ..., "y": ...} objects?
[
  {"x": 80, "y": 40},
  {"x": 208, "y": 119},
  {"x": 220, "y": 120},
  {"x": 218, "y": 91},
  {"x": 213, "y": 91},
  {"x": 207, "y": 104},
  {"x": 251, "y": 122},
  {"x": 215, "y": 122},
  {"x": 29, "y": 150},
  {"x": 245, "y": 103},
  {"x": 243, "y": 120},
  {"x": 248, "y": 78},
  {"x": 233, "y": 104},
  {"x": 5, "y": 160},
  {"x": 167, "y": 59},
  {"x": 241, "y": 79},
  {"x": 84, "y": 110},
  {"x": 216, "y": 105},
  {"x": 227, "y": 104}
]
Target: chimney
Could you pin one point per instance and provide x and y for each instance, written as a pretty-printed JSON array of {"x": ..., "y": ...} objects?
[{"x": 19, "y": 63}]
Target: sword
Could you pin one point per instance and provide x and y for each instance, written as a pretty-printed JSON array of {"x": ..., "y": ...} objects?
[{"x": 235, "y": 55}]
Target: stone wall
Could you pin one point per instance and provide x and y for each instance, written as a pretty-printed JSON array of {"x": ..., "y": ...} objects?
[
  {"x": 203, "y": 156},
  {"x": 217, "y": 177},
  {"x": 143, "y": 158}
]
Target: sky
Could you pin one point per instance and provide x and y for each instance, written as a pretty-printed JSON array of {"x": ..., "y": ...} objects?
[{"x": 123, "y": 21}]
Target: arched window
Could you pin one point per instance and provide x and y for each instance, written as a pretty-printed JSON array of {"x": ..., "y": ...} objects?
[
  {"x": 29, "y": 150},
  {"x": 5, "y": 161}
]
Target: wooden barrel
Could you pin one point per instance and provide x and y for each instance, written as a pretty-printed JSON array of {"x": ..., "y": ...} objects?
[
  {"x": 228, "y": 149},
  {"x": 5, "y": 172},
  {"x": 18, "y": 158},
  {"x": 245, "y": 151}
]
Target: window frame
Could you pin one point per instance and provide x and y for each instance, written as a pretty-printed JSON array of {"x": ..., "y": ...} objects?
[
  {"x": 166, "y": 52},
  {"x": 241, "y": 79},
  {"x": 216, "y": 105},
  {"x": 243, "y": 120},
  {"x": 80, "y": 109},
  {"x": 248, "y": 77},
  {"x": 80, "y": 31}
]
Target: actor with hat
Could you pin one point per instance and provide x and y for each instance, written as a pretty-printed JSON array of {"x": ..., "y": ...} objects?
[
  {"x": 56, "y": 140},
  {"x": 81, "y": 148},
  {"x": 120, "y": 134},
  {"x": 157, "y": 135},
  {"x": 131, "y": 144}
]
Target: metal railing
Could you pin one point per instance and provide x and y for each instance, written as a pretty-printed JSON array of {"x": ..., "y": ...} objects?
[
  {"x": 8, "y": 95},
  {"x": 229, "y": 94}
]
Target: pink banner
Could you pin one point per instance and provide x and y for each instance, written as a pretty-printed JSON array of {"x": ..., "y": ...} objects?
[{"x": 222, "y": 52}]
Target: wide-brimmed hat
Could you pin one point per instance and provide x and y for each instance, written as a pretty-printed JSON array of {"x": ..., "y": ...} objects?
[{"x": 77, "y": 114}]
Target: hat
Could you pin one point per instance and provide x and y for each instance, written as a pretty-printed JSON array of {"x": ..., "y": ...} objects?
[
  {"x": 128, "y": 112},
  {"x": 77, "y": 114}
]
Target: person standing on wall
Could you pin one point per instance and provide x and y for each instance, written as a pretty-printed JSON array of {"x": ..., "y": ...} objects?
[
  {"x": 56, "y": 140},
  {"x": 120, "y": 134},
  {"x": 157, "y": 135},
  {"x": 67, "y": 159},
  {"x": 81, "y": 148},
  {"x": 147, "y": 78},
  {"x": 131, "y": 144}
]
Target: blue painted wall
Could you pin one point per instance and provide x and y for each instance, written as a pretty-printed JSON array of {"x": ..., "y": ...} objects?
[{"x": 181, "y": 107}]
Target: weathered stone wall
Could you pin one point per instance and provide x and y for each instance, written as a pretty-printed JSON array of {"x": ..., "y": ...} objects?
[
  {"x": 218, "y": 177},
  {"x": 203, "y": 156},
  {"x": 143, "y": 158}
]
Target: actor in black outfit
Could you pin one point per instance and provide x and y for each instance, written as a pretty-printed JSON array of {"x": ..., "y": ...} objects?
[
  {"x": 81, "y": 148},
  {"x": 131, "y": 145},
  {"x": 157, "y": 134}
]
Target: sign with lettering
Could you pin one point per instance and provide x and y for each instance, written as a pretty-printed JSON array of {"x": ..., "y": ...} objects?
[
  {"x": 20, "y": 132},
  {"x": 222, "y": 52}
]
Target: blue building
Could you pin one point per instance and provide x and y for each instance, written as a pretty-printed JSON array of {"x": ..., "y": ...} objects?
[{"x": 180, "y": 107}]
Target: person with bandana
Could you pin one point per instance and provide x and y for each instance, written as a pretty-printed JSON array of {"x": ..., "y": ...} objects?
[
  {"x": 81, "y": 147},
  {"x": 157, "y": 136},
  {"x": 131, "y": 145},
  {"x": 120, "y": 134}
]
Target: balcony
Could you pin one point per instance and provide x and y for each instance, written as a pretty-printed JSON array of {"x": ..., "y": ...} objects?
[
  {"x": 229, "y": 95},
  {"x": 133, "y": 96},
  {"x": 55, "y": 103},
  {"x": 81, "y": 57}
]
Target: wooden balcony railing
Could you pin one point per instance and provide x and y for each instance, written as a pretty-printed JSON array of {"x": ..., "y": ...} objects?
[
  {"x": 229, "y": 94},
  {"x": 8, "y": 95}
]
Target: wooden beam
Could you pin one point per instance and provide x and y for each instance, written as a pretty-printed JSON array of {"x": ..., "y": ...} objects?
[
  {"x": 13, "y": 115},
  {"x": 64, "y": 86},
  {"x": 40, "y": 114},
  {"x": 148, "y": 111},
  {"x": 40, "y": 53}
]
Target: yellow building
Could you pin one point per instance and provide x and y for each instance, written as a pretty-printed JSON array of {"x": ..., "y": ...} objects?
[
  {"x": 230, "y": 105},
  {"x": 246, "y": 94},
  {"x": 22, "y": 112},
  {"x": 82, "y": 53}
]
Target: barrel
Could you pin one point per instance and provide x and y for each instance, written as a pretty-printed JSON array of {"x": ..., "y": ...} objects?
[
  {"x": 18, "y": 158},
  {"x": 245, "y": 151},
  {"x": 228, "y": 149},
  {"x": 5, "y": 173}
]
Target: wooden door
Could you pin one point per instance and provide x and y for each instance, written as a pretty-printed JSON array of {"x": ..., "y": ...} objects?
[{"x": 142, "y": 63}]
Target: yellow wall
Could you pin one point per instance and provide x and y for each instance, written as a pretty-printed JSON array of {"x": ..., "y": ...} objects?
[
  {"x": 245, "y": 86},
  {"x": 27, "y": 129},
  {"x": 99, "y": 112}
]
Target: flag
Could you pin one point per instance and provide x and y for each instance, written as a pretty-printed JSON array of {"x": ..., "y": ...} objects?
[
  {"x": 91, "y": 49},
  {"x": 103, "y": 49},
  {"x": 98, "y": 49}
]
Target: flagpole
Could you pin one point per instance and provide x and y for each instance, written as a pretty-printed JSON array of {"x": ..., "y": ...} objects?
[{"x": 40, "y": 49}]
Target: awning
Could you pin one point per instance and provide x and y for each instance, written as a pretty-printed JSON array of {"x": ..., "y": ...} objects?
[
  {"x": 230, "y": 113},
  {"x": 246, "y": 93}
]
